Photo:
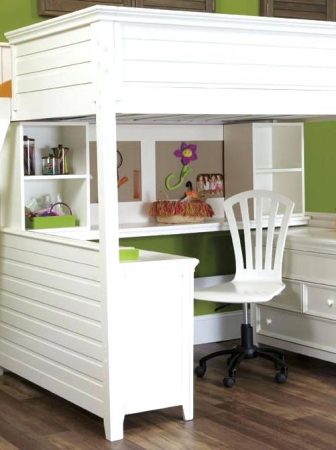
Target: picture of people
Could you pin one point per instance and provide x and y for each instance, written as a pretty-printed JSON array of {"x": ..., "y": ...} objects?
[{"x": 210, "y": 184}]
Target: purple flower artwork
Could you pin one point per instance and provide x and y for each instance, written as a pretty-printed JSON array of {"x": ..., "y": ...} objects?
[{"x": 186, "y": 152}]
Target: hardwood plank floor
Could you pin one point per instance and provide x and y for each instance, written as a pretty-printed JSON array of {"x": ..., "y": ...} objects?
[{"x": 256, "y": 414}]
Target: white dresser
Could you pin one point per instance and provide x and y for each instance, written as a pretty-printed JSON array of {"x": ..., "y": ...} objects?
[{"x": 303, "y": 318}]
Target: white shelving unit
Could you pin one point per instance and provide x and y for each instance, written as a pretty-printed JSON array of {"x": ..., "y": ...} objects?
[
  {"x": 73, "y": 188},
  {"x": 278, "y": 158},
  {"x": 266, "y": 156}
]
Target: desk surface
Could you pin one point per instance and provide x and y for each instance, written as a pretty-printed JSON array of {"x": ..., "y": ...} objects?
[{"x": 314, "y": 239}]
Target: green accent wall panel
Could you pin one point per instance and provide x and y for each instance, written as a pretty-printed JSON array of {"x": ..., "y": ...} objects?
[
  {"x": 242, "y": 7},
  {"x": 17, "y": 13},
  {"x": 320, "y": 166},
  {"x": 214, "y": 250}
]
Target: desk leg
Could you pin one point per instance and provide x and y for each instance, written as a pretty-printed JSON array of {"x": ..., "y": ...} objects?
[
  {"x": 114, "y": 427},
  {"x": 188, "y": 410},
  {"x": 188, "y": 348}
]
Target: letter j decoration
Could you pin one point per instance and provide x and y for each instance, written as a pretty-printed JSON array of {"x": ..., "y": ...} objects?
[{"x": 186, "y": 153}]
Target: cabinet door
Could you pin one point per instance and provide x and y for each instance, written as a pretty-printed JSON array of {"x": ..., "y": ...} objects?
[
  {"x": 187, "y": 5},
  {"x": 157, "y": 305},
  {"x": 299, "y": 9}
]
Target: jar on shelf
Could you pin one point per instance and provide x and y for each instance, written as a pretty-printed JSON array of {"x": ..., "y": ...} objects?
[
  {"x": 50, "y": 165},
  {"x": 29, "y": 155}
]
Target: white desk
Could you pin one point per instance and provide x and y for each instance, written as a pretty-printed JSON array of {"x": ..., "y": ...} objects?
[{"x": 53, "y": 325}]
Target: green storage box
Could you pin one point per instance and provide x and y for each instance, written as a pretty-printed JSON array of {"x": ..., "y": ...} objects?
[
  {"x": 38, "y": 223},
  {"x": 128, "y": 254}
]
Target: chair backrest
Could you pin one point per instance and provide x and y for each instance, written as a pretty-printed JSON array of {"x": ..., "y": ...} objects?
[{"x": 264, "y": 233}]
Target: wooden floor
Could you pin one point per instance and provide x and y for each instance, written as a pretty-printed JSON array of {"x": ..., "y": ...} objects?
[{"x": 256, "y": 414}]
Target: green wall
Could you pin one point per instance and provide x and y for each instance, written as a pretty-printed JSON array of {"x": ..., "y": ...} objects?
[
  {"x": 214, "y": 250},
  {"x": 320, "y": 166},
  {"x": 244, "y": 7},
  {"x": 16, "y": 14}
]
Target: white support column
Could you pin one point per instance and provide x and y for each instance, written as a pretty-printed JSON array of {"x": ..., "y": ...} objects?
[{"x": 112, "y": 314}]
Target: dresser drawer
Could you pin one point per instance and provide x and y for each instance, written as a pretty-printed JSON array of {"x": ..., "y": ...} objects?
[
  {"x": 310, "y": 267},
  {"x": 298, "y": 328},
  {"x": 319, "y": 301},
  {"x": 290, "y": 298}
]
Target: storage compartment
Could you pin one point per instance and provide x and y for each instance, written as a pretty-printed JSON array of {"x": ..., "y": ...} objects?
[
  {"x": 298, "y": 328},
  {"x": 310, "y": 266},
  {"x": 319, "y": 301},
  {"x": 73, "y": 187},
  {"x": 290, "y": 298}
]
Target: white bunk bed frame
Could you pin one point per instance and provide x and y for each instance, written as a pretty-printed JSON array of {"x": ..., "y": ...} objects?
[{"x": 111, "y": 62}]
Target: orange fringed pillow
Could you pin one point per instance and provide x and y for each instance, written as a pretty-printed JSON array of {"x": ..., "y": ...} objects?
[{"x": 175, "y": 211}]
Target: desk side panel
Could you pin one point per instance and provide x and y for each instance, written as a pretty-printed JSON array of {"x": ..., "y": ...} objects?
[
  {"x": 50, "y": 317},
  {"x": 52, "y": 75}
]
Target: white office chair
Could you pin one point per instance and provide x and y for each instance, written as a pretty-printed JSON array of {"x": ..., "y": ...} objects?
[{"x": 258, "y": 275}]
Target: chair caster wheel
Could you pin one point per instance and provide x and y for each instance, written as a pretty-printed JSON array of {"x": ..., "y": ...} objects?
[
  {"x": 229, "y": 381},
  {"x": 200, "y": 371},
  {"x": 280, "y": 378}
]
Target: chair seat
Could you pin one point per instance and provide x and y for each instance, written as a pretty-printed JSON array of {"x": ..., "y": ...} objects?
[{"x": 240, "y": 292}]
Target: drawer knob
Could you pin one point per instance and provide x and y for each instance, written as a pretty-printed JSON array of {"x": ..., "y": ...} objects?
[
  {"x": 268, "y": 321},
  {"x": 330, "y": 302}
]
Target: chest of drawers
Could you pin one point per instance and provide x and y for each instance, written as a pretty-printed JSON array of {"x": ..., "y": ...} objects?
[{"x": 303, "y": 318}]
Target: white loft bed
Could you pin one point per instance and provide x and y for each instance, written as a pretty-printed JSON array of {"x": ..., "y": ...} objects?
[{"x": 112, "y": 62}]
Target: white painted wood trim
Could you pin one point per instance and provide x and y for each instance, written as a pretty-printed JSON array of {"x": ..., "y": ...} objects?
[
  {"x": 217, "y": 327},
  {"x": 322, "y": 220}
]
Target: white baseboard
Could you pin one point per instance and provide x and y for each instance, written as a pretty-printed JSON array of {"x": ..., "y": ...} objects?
[
  {"x": 217, "y": 327},
  {"x": 324, "y": 220}
]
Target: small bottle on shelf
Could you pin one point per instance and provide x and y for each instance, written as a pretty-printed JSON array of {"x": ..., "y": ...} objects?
[{"x": 29, "y": 155}]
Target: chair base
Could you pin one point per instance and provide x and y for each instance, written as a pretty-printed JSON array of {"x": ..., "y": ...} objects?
[{"x": 246, "y": 350}]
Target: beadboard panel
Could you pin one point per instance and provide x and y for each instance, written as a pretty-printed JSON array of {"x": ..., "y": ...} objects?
[
  {"x": 72, "y": 341},
  {"x": 56, "y": 353},
  {"x": 71, "y": 37},
  {"x": 50, "y": 59},
  {"x": 56, "y": 317},
  {"x": 50, "y": 316},
  {"x": 49, "y": 278},
  {"x": 40, "y": 245},
  {"x": 61, "y": 381},
  {"x": 152, "y": 55},
  {"x": 54, "y": 78},
  {"x": 57, "y": 299},
  {"x": 84, "y": 271}
]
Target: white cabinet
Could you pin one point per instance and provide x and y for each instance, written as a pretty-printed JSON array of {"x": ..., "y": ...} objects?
[
  {"x": 265, "y": 156},
  {"x": 73, "y": 188},
  {"x": 303, "y": 318}
]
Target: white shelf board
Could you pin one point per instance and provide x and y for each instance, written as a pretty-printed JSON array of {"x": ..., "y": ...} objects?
[
  {"x": 210, "y": 225},
  {"x": 129, "y": 230},
  {"x": 77, "y": 233},
  {"x": 159, "y": 229},
  {"x": 270, "y": 170},
  {"x": 54, "y": 177}
]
